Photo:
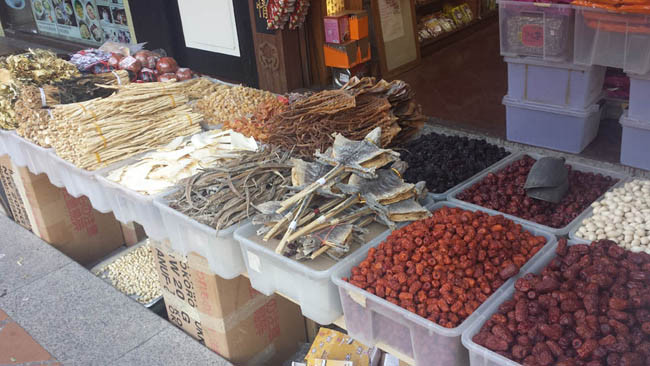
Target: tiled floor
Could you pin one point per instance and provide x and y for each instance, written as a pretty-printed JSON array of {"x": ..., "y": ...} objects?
[{"x": 17, "y": 347}]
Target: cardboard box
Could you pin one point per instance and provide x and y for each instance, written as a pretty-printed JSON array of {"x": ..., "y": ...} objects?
[
  {"x": 133, "y": 233},
  {"x": 69, "y": 224},
  {"x": 227, "y": 316},
  {"x": 336, "y": 346},
  {"x": 343, "y": 56},
  {"x": 337, "y": 28},
  {"x": 14, "y": 204},
  {"x": 364, "y": 50},
  {"x": 358, "y": 20}
]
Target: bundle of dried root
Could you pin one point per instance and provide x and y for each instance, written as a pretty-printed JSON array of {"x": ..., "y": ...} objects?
[
  {"x": 191, "y": 89},
  {"x": 231, "y": 192},
  {"x": 98, "y": 132},
  {"x": 229, "y": 103}
]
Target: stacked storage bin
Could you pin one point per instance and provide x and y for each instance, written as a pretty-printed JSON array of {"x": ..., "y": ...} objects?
[
  {"x": 551, "y": 102},
  {"x": 635, "y": 147}
]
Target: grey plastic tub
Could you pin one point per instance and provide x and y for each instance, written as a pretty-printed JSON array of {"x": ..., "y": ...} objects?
[
  {"x": 556, "y": 231},
  {"x": 372, "y": 320},
  {"x": 635, "y": 146}
]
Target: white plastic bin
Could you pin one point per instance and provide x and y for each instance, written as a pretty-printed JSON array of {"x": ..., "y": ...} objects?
[
  {"x": 372, "y": 320},
  {"x": 639, "y": 98},
  {"x": 307, "y": 283},
  {"x": 540, "y": 30},
  {"x": 481, "y": 356},
  {"x": 556, "y": 231},
  {"x": 610, "y": 39},
  {"x": 635, "y": 145},
  {"x": 554, "y": 127},
  {"x": 131, "y": 206},
  {"x": 559, "y": 84},
  {"x": 188, "y": 235}
]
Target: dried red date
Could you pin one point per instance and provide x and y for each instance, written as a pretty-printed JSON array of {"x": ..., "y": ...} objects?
[{"x": 596, "y": 315}]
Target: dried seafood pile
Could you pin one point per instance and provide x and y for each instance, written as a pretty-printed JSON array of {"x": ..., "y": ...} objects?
[
  {"x": 36, "y": 67},
  {"x": 138, "y": 118},
  {"x": 229, "y": 193},
  {"x": 162, "y": 169},
  {"x": 356, "y": 109},
  {"x": 32, "y": 117},
  {"x": 229, "y": 103},
  {"x": 352, "y": 184}
]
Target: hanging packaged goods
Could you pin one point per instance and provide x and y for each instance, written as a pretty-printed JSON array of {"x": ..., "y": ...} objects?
[{"x": 286, "y": 13}]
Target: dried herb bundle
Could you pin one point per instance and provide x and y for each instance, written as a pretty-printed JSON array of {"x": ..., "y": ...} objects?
[
  {"x": 225, "y": 195},
  {"x": 38, "y": 67},
  {"x": 8, "y": 95},
  {"x": 139, "y": 117},
  {"x": 309, "y": 122}
]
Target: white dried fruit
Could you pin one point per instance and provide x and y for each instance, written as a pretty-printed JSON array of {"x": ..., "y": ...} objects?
[{"x": 134, "y": 274}]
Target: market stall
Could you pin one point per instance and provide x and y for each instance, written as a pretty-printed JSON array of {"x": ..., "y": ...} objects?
[{"x": 333, "y": 206}]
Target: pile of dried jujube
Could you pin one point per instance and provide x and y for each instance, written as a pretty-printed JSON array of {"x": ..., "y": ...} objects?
[
  {"x": 444, "y": 267},
  {"x": 504, "y": 191},
  {"x": 590, "y": 306}
]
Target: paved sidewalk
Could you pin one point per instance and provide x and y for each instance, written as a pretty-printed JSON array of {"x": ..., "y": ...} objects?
[{"x": 54, "y": 310}]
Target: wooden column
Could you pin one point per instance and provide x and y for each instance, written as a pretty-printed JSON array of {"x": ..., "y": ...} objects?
[{"x": 281, "y": 66}]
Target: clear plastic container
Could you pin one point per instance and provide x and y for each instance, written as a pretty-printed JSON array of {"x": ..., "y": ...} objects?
[
  {"x": 541, "y": 30},
  {"x": 549, "y": 126},
  {"x": 372, "y": 320},
  {"x": 481, "y": 356},
  {"x": 559, "y": 84},
  {"x": 639, "y": 93},
  {"x": 307, "y": 283},
  {"x": 556, "y": 231},
  {"x": 612, "y": 39},
  {"x": 188, "y": 235},
  {"x": 635, "y": 146},
  {"x": 131, "y": 206}
]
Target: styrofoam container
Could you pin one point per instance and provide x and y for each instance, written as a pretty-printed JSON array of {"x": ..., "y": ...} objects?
[
  {"x": 308, "y": 283},
  {"x": 556, "y": 231},
  {"x": 557, "y": 128},
  {"x": 635, "y": 146},
  {"x": 371, "y": 319},
  {"x": 639, "y": 98},
  {"x": 559, "y": 84},
  {"x": 598, "y": 43},
  {"x": 131, "y": 206},
  {"x": 541, "y": 30},
  {"x": 3, "y": 144},
  {"x": 481, "y": 356},
  {"x": 443, "y": 196},
  {"x": 188, "y": 235}
]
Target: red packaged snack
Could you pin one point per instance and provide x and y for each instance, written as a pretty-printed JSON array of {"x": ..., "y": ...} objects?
[
  {"x": 147, "y": 74},
  {"x": 130, "y": 63},
  {"x": 148, "y": 59},
  {"x": 114, "y": 60},
  {"x": 166, "y": 65},
  {"x": 183, "y": 73},
  {"x": 167, "y": 77}
]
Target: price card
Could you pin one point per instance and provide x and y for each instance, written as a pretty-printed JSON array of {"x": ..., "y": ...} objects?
[{"x": 532, "y": 35}]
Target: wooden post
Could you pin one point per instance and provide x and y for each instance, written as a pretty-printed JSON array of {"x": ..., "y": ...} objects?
[{"x": 277, "y": 54}]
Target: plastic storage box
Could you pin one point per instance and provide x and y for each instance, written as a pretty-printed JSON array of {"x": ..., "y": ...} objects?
[
  {"x": 635, "y": 146},
  {"x": 309, "y": 283},
  {"x": 554, "y": 127},
  {"x": 128, "y": 205},
  {"x": 373, "y": 320},
  {"x": 188, "y": 235},
  {"x": 560, "y": 231},
  {"x": 560, "y": 84},
  {"x": 612, "y": 39},
  {"x": 540, "y": 30},
  {"x": 481, "y": 356},
  {"x": 639, "y": 98}
]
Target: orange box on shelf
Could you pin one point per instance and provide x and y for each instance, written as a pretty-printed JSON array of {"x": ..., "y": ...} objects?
[
  {"x": 343, "y": 56},
  {"x": 363, "y": 50},
  {"x": 358, "y": 22}
]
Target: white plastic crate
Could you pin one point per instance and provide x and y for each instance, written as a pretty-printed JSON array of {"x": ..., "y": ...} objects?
[
  {"x": 188, "y": 235},
  {"x": 481, "y": 356},
  {"x": 131, "y": 206},
  {"x": 635, "y": 145},
  {"x": 541, "y": 30},
  {"x": 559, "y": 84},
  {"x": 639, "y": 98},
  {"x": 307, "y": 283},
  {"x": 553, "y": 127},
  {"x": 372, "y": 320},
  {"x": 556, "y": 231},
  {"x": 610, "y": 39}
]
